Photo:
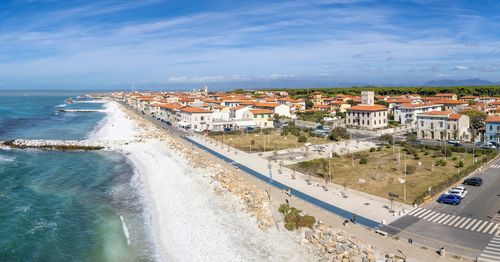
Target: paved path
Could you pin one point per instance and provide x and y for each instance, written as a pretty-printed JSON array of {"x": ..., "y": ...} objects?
[{"x": 351, "y": 202}]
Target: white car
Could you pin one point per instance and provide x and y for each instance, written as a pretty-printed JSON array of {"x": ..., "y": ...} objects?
[{"x": 458, "y": 191}]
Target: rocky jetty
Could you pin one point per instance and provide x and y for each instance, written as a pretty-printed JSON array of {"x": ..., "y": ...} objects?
[
  {"x": 65, "y": 145},
  {"x": 332, "y": 244}
]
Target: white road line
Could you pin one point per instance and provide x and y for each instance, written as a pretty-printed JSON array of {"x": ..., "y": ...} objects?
[
  {"x": 423, "y": 214},
  {"x": 491, "y": 252},
  {"x": 437, "y": 218},
  {"x": 481, "y": 259},
  {"x": 488, "y": 227},
  {"x": 452, "y": 221},
  {"x": 431, "y": 216},
  {"x": 489, "y": 258},
  {"x": 495, "y": 242},
  {"x": 493, "y": 248},
  {"x": 471, "y": 223},
  {"x": 465, "y": 222},
  {"x": 414, "y": 211},
  {"x": 493, "y": 229},
  {"x": 481, "y": 227},
  {"x": 419, "y": 212},
  {"x": 443, "y": 219},
  {"x": 494, "y": 245},
  {"x": 479, "y": 222}
]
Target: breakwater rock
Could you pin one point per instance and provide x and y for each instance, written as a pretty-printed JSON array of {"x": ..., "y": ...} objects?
[
  {"x": 336, "y": 245},
  {"x": 65, "y": 145}
]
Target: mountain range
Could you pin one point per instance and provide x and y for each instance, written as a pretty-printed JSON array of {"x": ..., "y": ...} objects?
[{"x": 464, "y": 82}]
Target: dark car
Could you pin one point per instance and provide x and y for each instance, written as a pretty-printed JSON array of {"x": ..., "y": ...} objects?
[
  {"x": 473, "y": 181},
  {"x": 449, "y": 199}
]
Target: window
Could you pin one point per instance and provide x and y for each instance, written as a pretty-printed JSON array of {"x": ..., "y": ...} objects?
[
  {"x": 368, "y": 122},
  {"x": 491, "y": 128},
  {"x": 201, "y": 118},
  {"x": 421, "y": 123},
  {"x": 440, "y": 124}
]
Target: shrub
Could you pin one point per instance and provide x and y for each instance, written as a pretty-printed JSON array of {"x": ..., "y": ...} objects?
[
  {"x": 441, "y": 162},
  {"x": 379, "y": 148},
  {"x": 454, "y": 158},
  {"x": 437, "y": 154},
  {"x": 363, "y": 161},
  {"x": 372, "y": 149},
  {"x": 460, "y": 164},
  {"x": 416, "y": 157},
  {"x": 302, "y": 139},
  {"x": 338, "y": 133},
  {"x": 294, "y": 219},
  {"x": 426, "y": 152}
]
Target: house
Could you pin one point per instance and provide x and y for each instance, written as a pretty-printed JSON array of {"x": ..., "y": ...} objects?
[
  {"x": 450, "y": 96},
  {"x": 261, "y": 117},
  {"x": 443, "y": 125},
  {"x": 453, "y": 105},
  {"x": 197, "y": 119},
  {"x": 406, "y": 114},
  {"x": 492, "y": 130},
  {"x": 367, "y": 115},
  {"x": 278, "y": 109}
]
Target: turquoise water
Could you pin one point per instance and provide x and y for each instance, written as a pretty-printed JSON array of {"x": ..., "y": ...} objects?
[{"x": 66, "y": 206}]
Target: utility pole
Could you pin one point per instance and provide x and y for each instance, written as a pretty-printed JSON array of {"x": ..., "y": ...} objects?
[
  {"x": 404, "y": 182},
  {"x": 269, "y": 167}
]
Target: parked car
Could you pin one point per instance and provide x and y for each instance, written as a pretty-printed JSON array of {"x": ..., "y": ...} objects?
[
  {"x": 418, "y": 142},
  {"x": 449, "y": 199},
  {"x": 488, "y": 146},
  {"x": 473, "y": 181},
  {"x": 460, "y": 191},
  {"x": 454, "y": 142},
  {"x": 479, "y": 144}
]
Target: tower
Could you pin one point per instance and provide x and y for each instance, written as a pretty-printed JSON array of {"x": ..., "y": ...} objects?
[
  {"x": 367, "y": 98},
  {"x": 205, "y": 90}
]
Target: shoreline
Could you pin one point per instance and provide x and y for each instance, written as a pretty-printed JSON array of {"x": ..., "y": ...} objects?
[{"x": 205, "y": 211}]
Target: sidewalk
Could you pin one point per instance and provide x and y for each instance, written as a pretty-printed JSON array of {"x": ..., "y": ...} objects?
[{"x": 359, "y": 203}]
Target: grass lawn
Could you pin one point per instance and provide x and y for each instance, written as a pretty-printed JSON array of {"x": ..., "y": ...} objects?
[
  {"x": 381, "y": 172},
  {"x": 265, "y": 142}
]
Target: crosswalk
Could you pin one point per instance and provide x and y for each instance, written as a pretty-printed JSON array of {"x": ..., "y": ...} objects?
[
  {"x": 465, "y": 223},
  {"x": 491, "y": 252},
  {"x": 495, "y": 166}
]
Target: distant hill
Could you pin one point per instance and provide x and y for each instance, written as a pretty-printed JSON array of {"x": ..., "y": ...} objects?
[{"x": 464, "y": 82}]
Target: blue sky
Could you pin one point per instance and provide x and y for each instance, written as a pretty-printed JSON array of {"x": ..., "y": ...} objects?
[{"x": 168, "y": 44}]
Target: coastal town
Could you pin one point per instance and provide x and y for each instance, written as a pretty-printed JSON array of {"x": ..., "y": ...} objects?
[{"x": 389, "y": 163}]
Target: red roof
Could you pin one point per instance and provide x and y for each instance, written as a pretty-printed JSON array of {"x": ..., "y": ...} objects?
[
  {"x": 367, "y": 108},
  {"x": 445, "y": 95},
  {"x": 491, "y": 119},
  {"x": 437, "y": 113},
  {"x": 194, "y": 110},
  {"x": 261, "y": 111}
]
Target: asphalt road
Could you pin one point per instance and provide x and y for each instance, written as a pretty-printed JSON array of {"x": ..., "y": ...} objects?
[{"x": 465, "y": 229}]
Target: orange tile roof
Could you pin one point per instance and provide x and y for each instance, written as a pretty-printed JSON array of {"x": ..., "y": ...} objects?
[
  {"x": 194, "y": 110},
  {"x": 469, "y": 97},
  {"x": 445, "y": 94},
  {"x": 436, "y": 113},
  {"x": 491, "y": 119},
  {"x": 367, "y": 108},
  {"x": 269, "y": 105},
  {"x": 450, "y": 102},
  {"x": 455, "y": 116},
  {"x": 261, "y": 111}
]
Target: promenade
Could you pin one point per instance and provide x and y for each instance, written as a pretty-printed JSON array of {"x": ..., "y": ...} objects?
[{"x": 336, "y": 198}]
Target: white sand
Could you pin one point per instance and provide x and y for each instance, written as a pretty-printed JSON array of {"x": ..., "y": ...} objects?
[
  {"x": 190, "y": 222},
  {"x": 115, "y": 126}
]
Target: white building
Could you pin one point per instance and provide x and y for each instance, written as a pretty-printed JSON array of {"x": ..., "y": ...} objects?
[
  {"x": 197, "y": 119},
  {"x": 367, "y": 115},
  {"x": 406, "y": 114},
  {"x": 443, "y": 125}
]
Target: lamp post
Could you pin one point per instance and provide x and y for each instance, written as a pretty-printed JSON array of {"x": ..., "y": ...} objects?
[{"x": 269, "y": 167}]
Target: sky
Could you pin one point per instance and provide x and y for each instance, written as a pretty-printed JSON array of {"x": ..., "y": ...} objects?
[{"x": 51, "y": 44}]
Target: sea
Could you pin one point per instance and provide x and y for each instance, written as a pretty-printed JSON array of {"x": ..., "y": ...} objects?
[{"x": 66, "y": 206}]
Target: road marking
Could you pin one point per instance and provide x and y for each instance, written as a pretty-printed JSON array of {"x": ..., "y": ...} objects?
[
  {"x": 465, "y": 222},
  {"x": 493, "y": 248},
  {"x": 431, "y": 216},
  {"x": 452, "y": 221},
  {"x": 481, "y": 259},
  {"x": 419, "y": 212},
  {"x": 445, "y": 218},
  {"x": 493, "y": 229},
  {"x": 414, "y": 210},
  {"x": 481, "y": 227},
  {"x": 423, "y": 214},
  {"x": 471, "y": 223},
  {"x": 479, "y": 222},
  {"x": 437, "y": 218},
  {"x": 488, "y": 227}
]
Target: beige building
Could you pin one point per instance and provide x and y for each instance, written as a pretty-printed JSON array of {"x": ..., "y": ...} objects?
[
  {"x": 367, "y": 115},
  {"x": 263, "y": 118},
  {"x": 443, "y": 125}
]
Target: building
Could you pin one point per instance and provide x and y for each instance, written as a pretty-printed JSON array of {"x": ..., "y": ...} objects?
[
  {"x": 406, "y": 114},
  {"x": 367, "y": 115},
  {"x": 492, "y": 131},
  {"x": 450, "y": 96},
  {"x": 263, "y": 118},
  {"x": 443, "y": 125},
  {"x": 197, "y": 119}
]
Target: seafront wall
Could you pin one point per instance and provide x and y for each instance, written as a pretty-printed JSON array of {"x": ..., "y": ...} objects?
[{"x": 65, "y": 145}]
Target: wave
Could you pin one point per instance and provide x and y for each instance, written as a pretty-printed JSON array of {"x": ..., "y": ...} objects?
[
  {"x": 125, "y": 230},
  {"x": 4, "y": 158},
  {"x": 61, "y": 105}
]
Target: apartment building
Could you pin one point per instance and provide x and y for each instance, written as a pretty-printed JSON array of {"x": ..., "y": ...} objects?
[
  {"x": 443, "y": 125},
  {"x": 367, "y": 115},
  {"x": 492, "y": 131},
  {"x": 406, "y": 114}
]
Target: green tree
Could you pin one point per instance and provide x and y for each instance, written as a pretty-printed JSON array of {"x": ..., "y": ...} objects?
[
  {"x": 476, "y": 120},
  {"x": 338, "y": 133},
  {"x": 387, "y": 138},
  {"x": 309, "y": 104}
]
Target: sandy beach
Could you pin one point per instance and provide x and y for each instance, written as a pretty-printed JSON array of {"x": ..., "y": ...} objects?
[{"x": 191, "y": 218}]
